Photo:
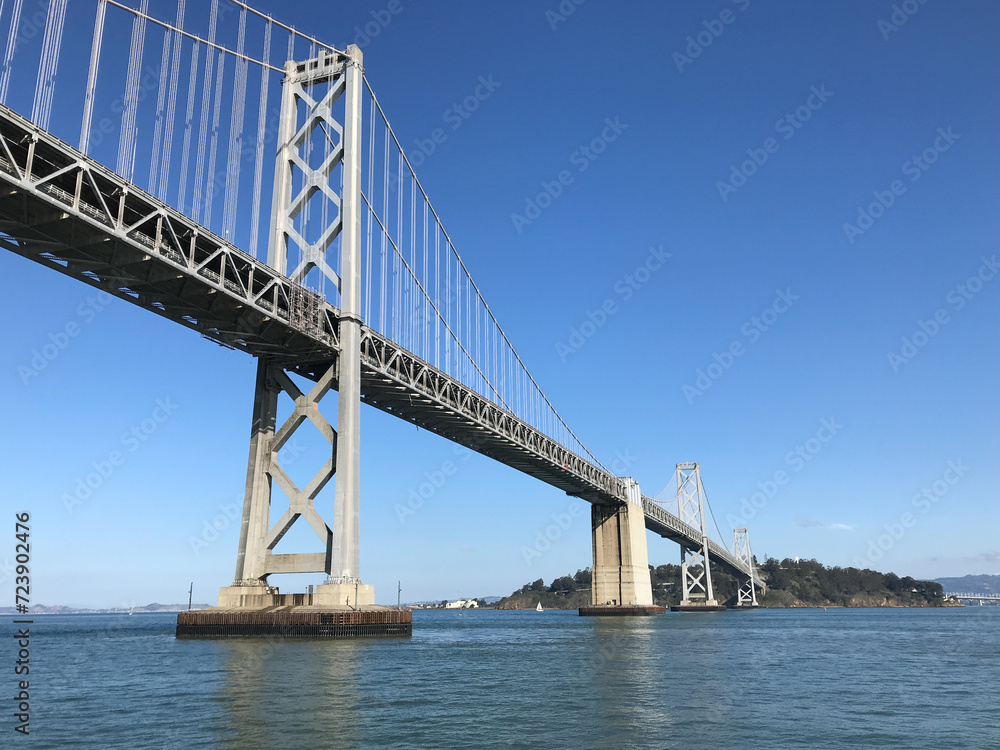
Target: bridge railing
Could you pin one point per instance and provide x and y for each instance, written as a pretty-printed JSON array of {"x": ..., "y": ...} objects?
[{"x": 984, "y": 597}]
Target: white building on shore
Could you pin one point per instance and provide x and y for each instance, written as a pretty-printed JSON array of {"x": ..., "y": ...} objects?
[{"x": 461, "y": 604}]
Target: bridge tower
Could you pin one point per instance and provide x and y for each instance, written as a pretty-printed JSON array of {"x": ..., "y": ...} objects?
[
  {"x": 696, "y": 572},
  {"x": 747, "y": 595},
  {"x": 621, "y": 562},
  {"x": 310, "y": 90}
]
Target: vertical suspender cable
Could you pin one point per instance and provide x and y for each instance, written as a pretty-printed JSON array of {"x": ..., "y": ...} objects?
[
  {"x": 395, "y": 257},
  {"x": 188, "y": 125},
  {"x": 161, "y": 103},
  {"x": 214, "y": 144},
  {"x": 324, "y": 201},
  {"x": 236, "y": 120},
  {"x": 448, "y": 296},
  {"x": 206, "y": 99},
  {"x": 43, "y": 66},
  {"x": 478, "y": 348},
  {"x": 414, "y": 337},
  {"x": 45, "y": 85},
  {"x": 126, "y": 138},
  {"x": 169, "y": 123},
  {"x": 50, "y": 83},
  {"x": 258, "y": 170},
  {"x": 457, "y": 316},
  {"x": 468, "y": 327},
  {"x": 368, "y": 243},
  {"x": 503, "y": 372},
  {"x": 95, "y": 59},
  {"x": 425, "y": 307},
  {"x": 15, "y": 22},
  {"x": 437, "y": 295},
  {"x": 521, "y": 371},
  {"x": 383, "y": 262}
]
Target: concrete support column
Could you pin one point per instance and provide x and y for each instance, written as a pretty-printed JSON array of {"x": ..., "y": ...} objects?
[
  {"x": 257, "y": 497},
  {"x": 621, "y": 563},
  {"x": 346, "y": 567}
]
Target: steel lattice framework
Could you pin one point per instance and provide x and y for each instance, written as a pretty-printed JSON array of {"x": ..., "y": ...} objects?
[
  {"x": 696, "y": 573},
  {"x": 747, "y": 594}
]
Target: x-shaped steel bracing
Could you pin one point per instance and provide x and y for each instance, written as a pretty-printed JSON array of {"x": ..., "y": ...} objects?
[
  {"x": 300, "y": 502},
  {"x": 696, "y": 575}
]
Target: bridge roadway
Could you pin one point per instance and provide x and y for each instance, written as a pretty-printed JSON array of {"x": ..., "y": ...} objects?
[
  {"x": 65, "y": 211},
  {"x": 978, "y": 597}
]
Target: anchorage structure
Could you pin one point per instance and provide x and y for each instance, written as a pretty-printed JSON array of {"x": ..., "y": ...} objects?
[
  {"x": 747, "y": 594},
  {"x": 696, "y": 573},
  {"x": 296, "y": 184}
]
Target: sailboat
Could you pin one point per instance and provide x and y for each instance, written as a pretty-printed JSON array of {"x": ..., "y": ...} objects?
[{"x": 539, "y": 608}]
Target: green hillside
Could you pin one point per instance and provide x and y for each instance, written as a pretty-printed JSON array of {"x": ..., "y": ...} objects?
[{"x": 790, "y": 583}]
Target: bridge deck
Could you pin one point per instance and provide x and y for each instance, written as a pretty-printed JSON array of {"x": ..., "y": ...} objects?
[{"x": 69, "y": 213}]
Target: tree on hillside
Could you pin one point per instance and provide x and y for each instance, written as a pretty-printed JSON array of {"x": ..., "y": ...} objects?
[{"x": 563, "y": 585}]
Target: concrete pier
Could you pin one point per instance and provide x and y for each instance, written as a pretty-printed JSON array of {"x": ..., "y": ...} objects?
[
  {"x": 329, "y": 595},
  {"x": 626, "y": 611},
  {"x": 299, "y": 620},
  {"x": 621, "y": 583},
  {"x": 712, "y": 606}
]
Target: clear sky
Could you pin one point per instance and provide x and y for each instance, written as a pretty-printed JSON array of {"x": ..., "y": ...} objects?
[{"x": 823, "y": 333}]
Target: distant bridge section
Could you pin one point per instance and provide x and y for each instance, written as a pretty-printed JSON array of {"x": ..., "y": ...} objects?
[{"x": 981, "y": 598}]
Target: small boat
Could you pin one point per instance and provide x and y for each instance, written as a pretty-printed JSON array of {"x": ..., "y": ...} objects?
[{"x": 539, "y": 608}]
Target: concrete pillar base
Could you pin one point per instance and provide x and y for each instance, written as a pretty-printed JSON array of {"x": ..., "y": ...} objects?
[
  {"x": 247, "y": 596},
  {"x": 344, "y": 595},
  {"x": 621, "y": 567},
  {"x": 332, "y": 595},
  {"x": 295, "y": 620},
  {"x": 698, "y": 605},
  {"x": 626, "y": 611}
]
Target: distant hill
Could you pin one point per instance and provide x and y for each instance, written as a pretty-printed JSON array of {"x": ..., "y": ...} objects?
[
  {"x": 971, "y": 585},
  {"x": 791, "y": 583}
]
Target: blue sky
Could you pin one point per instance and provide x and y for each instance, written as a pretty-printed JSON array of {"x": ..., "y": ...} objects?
[{"x": 823, "y": 332}]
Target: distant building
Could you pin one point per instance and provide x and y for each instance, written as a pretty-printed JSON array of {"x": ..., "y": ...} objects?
[{"x": 462, "y": 604}]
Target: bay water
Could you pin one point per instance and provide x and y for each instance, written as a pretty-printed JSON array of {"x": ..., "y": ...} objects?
[{"x": 837, "y": 678}]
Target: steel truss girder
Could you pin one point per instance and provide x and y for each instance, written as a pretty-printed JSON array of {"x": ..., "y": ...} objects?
[{"x": 66, "y": 211}]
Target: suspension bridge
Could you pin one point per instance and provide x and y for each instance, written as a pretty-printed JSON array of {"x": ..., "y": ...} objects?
[
  {"x": 982, "y": 599},
  {"x": 349, "y": 282}
]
